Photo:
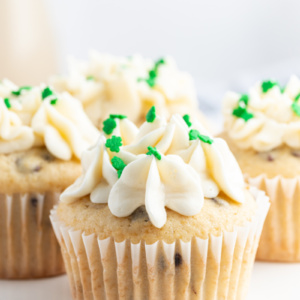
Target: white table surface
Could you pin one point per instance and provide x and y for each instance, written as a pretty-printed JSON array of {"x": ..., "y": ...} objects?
[{"x": 269, "y": 281}]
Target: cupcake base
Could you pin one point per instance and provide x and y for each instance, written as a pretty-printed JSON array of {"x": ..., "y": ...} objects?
[
  {"x": 280, "y": 239},
  {"x": 28, "y": 247},
  {"x": 214, "y": 268}
]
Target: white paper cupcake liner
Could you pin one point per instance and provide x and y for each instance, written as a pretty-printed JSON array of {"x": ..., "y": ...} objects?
[
  {"x": 280, "y": 239},
  {"x": 212, "y": 268},
  {"x": 28, "y": 246}
]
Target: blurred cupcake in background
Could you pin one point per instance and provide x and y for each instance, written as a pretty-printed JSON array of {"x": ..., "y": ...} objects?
[
  {"x": 42, "y": 136},
  {"x": 108, "y": 84},
  {"x": 164, "y": 215},
  {"x": 262, "y": 129}
]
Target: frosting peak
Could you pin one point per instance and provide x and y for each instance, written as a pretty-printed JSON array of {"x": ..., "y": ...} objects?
[
  {"x": 35, "y": 116},
  {"x": 163, "y": 166},
  {"x": 109, "y": 84},
  {"x": 266, "y": 118}
]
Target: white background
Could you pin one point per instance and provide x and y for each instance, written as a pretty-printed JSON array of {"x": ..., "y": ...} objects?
[{"x": 213, "y": 39}]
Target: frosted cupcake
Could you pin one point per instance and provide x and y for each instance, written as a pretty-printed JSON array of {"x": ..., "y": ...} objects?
[
  {"x": 164, "y": 216},
  {"x": 42, "y": 136},
  {"x": 263, "y": 132},
  {"x": 109, "y": 84}
]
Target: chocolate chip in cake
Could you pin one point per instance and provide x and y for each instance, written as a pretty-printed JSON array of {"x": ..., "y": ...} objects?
[
  {"x": 177, "y": 259},
  {"x": 161, "y": 262},
  {"x": 34, "y": 202},
  {"x": 47, "y": 156},
  {"x": 140, "y": 214},
  {"x": 193, "y": 290},
  {"x": 27, "y": 165},
  {"x": 296, "y": 153},
  {"x": 220, "y": 202}
]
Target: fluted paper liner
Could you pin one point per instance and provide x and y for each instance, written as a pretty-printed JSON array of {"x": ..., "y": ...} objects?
[
  {"x": 28, "y": 247},
  {"x": 214, "y": 268},
  {"x": 280, "y": 239}
]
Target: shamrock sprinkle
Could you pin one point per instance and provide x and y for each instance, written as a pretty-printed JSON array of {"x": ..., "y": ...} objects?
[
  {"x": 121, "y": 117},
  {"x": 297, "y": 97},
  {"x": 152, "y": 74},
  {"x": 267, "y": 85},
  {"x": 186, "y": 118},
  {"x": 118, "y": 164},
  {"x": 19, "y": 91},
  {"x": 151, "y": 115},
  {"x": 47, "y": 92},
  {"x": 195, "y": 134},
  {"x": 296, "y": 108},
  {"x": 241, "y": 112},
  {"x": 109, "y": 125},
  {"x": 153, "y": 151},
  {"x": 53, "y": 101},
  {"x": 7, "y": 103},
  {"x": 90, "y": 77},
  {"x": 114, "y": 143},
  {"x": 245, "y": 99}
]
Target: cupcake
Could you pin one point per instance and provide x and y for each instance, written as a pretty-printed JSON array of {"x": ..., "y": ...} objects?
[
  {"x": 109, "y": 84},
  {"x": 262, "y": 129},
  {"x": 42, "y": 136},
  {"x": 164, "y": 216}
]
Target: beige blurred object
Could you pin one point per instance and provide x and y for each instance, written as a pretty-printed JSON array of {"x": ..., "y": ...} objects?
[{"x": 28, "y": 54}]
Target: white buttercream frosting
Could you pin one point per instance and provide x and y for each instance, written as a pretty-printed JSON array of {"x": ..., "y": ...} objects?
[
  {"x": 178, "y": 172},
  {"x": 274, "y": 123},
  {"x": 64, "y": 127},
  {"x": 14, "y": 136},
  {"x": 57, "y": 121},
  {"x": 109, "y": 84}
]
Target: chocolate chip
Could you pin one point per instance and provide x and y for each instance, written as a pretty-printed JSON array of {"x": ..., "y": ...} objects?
[
  {"x": 140, "y": 214},
  {"x": 193, "y": 290},
  {"x": 295, "y": 153},
  {"x": 34, "y": 202},
  {"x": 37, "y": 169},
  {"x": 220, "y": 202},
  {"x": 161, "y": 262},
  {"x": 47, "y": 156},
  {"x": 26, "y": 165},
  {"x": 270, "y": 158},
  {"x": 178, "y": 259}
]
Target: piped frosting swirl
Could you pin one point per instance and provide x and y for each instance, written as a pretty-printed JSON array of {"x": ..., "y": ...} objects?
[
  {"x": 35, "y": 116},
  {"x": 167, "y": 164},
  {"x": 267, "y": 118},
  {"x": 109, "y": 84}
]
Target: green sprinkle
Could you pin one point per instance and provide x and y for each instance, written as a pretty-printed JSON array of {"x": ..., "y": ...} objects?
[
  {"x": 90, "y": 77},
  {"x": 152, "y": 74},
  {"x": 153, "y": 151},
  {"x": 121, "y": 117},
  {"x": 151, "y": 115},
  {"x": 241, "y": 112},
  {"x": 296, "y": 108},
  {"x": 245, "y": 99},
  {"x": 7, "y": 103},
  {"x": 118, "y": 164},
  {"x": 53, "y": 101},
  {"x": 267, "y": 85},
  {"x": 47, "y": 92},
  {"x": 109, "y": 125},
  {"x": 186, "y": 118},
  {"x": 114, "y": 143},
  {"x": 297, "y": 97},
  {"x": 195, "y": 134},
  {"x": 19, "y": 91}
]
